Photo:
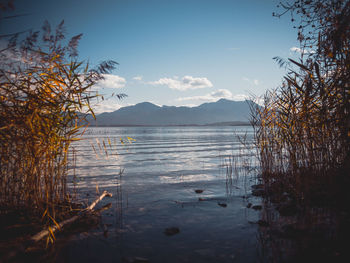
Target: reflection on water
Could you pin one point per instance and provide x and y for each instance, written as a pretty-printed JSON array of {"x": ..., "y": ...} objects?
[
  {"x": 309, "y": 234},
  {"x": 156, "y": 192}
]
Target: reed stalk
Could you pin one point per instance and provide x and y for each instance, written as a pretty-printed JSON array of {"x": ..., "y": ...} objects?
[
  {"x": 45, "y": 96},
  {"x": 302, "y": 129}
]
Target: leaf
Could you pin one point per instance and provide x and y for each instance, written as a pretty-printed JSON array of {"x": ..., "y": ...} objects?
[
  {"x": 47, "y": 31},
  {"x": 44, "y": 214},
  {"x": 317, "y": 69},
  {"x": 51, "y": 233},
  {"x": 299, "y": 65},
  {"x": 54, "y": 221},
  {"x": 73, "y": 44}
]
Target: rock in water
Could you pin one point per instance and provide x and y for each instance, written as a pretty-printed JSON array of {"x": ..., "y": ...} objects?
[
  {"x": 171, "y": 231},
  {"x": 258, "y": 190},
  {"x": 263, "y": 223},
  {"x": 257, "y": 207}
]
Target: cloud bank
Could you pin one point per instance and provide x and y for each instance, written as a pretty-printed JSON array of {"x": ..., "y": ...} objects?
[
  {"x": 111, "y": 81},
  {"x": 186, "y": 83},
  {"x": 302, "y": 51},
  {"x": 106, "y": 106},
  {"x": 216, "y": 95}
]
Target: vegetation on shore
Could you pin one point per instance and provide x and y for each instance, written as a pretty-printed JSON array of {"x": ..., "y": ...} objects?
[
  {"x": 302, "y": 134},
  {"x": 45, "y": 94},
  {"x": 303, "y": 129}
]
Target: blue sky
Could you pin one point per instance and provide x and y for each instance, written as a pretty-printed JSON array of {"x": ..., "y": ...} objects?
[{"x": 173, "y": 52}]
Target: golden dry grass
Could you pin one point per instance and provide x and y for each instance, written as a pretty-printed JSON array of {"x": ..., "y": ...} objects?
[
  {"x": 45, "y": 95},
  {"x": 303, "y": 128}
]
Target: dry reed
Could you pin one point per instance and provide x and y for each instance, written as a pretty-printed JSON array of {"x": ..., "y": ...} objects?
[
  {"x": 45, "y": 95},
  {"x": 302, "y": 130}
]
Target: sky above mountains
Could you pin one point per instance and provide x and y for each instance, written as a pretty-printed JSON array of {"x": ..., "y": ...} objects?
[{"x": 172, "y": 52}]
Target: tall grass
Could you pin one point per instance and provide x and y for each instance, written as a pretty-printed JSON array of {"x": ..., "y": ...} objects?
[
  {"x": 302, "y": 129},
  {"x": 45, "y": 95},
  {"x": 302, "y": 134},
  {"x": 241, "y": 166}
]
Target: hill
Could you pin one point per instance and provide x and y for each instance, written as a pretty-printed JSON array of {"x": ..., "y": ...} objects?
[{"x": 222, "y": 112}]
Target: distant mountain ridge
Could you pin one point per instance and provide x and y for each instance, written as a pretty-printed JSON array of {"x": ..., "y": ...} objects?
[{"x": 221, "y": 112}]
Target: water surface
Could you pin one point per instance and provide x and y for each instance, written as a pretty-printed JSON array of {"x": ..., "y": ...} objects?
[{"x": 162, "y": 169}]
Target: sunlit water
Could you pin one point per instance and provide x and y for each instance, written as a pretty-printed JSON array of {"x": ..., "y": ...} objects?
[{"x": 162, "y": 169}]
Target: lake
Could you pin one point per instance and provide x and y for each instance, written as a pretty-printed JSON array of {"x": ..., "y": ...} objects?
[{"x": 156, "y": 215}]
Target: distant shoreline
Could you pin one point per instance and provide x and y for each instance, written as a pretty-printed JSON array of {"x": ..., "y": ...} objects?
[
  {"x": 219, "y": 124},
  {"x": 220, "y": 113}
]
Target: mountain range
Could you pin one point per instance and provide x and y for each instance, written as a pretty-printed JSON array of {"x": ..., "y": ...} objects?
[{"x": 221, "y": 112}]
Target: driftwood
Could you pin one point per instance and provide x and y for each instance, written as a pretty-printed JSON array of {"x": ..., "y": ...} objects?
[{"x": 37, "y": 237}]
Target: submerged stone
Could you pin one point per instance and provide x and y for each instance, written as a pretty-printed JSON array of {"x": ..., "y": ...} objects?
[
  {"x": 258, "y": 192},
  {"x": 257, "y": 207},
  {"x": 171, "y": 231},
  {"x": 257, "y": 186},
  {"x": 263, "y": 223}
]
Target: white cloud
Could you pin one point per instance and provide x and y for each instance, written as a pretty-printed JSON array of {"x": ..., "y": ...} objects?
[
  {"x": 186, "y": 83},
  {"x": 221, "y": 93},
  {"x": 190, "y": 105},
  {"x": 259, "y": 101},
  {"x": 240, "y": 97},
  {"x": 302, "y": 51},
  {"x": 252, "y": 81},
  {"x": 106, "y": 106},
  {"x": 106, "y": 87},
  {"x": 216, "y": 95},
  {"x": 295, "y": 49},
  {"x": 139, "y": 78},
  {"x": 111, "y": 81},
  {"x": 155, "y": 103},
  {"x": 109, "y": 105}
]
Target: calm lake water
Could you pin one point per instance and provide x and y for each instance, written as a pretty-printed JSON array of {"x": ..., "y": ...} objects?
[{"x": 162, "y": 169}]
